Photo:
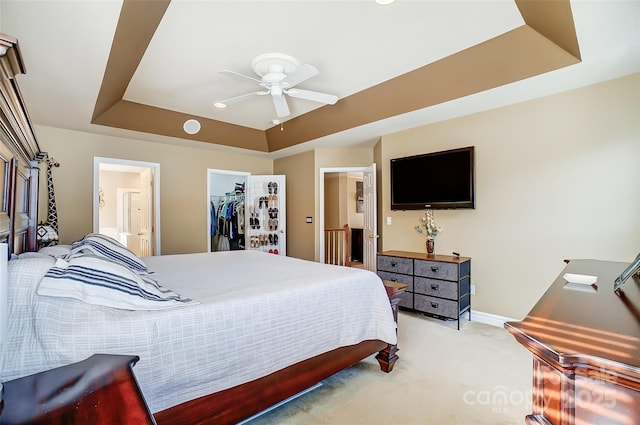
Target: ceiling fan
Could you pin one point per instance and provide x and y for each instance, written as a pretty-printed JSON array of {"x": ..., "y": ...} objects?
[{"x": 279, "y": 74}]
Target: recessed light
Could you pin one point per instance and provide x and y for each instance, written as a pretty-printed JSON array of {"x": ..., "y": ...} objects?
[
  {"x": 220, "y": 105},
  {"x": 385, "y": 2},
  {"x": 191, "y": 126}
]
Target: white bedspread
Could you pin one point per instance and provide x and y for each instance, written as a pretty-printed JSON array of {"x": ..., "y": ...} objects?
[{"x": 258, "y": 313}]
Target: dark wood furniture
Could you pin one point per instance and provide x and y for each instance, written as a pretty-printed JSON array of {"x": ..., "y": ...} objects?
[
  {"x": 586, "y": 349},
  {"x": 438, "y": 285},
  {"x": 100, "y": 390},
  {"x": 19, "y": 155},
  {"x": 388, "y": 357}
]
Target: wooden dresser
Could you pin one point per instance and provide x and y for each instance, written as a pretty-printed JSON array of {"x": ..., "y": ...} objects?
[
  {"x": 100, "y": 390},
  {"x": 586, "y": 349}
]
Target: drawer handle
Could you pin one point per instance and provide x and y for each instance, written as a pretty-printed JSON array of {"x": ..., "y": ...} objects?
[
  {"x": 434, "y": 286},
  {"x": 435, "y": 269},
  {"x": 394, "y": 264},
  {"x": 434, "y": 304}
]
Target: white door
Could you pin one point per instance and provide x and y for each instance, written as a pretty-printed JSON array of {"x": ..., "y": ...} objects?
[
  {"x": 265, "y": 214},
  {"x": 370, "y": 228},
  {"x": 145, "y": 230}
]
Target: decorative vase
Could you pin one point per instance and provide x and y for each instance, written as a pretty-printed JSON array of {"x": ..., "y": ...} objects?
[{"x": 431, "y": 245}]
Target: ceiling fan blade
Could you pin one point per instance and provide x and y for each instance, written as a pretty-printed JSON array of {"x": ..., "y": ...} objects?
[
  {"x": 282, "y": 109},
  {"x": 240, "y": 76},
  {"x": 223, "y": 103},
  {"x": 315, "y": 96},
  {"x": 304, "y": 72}
]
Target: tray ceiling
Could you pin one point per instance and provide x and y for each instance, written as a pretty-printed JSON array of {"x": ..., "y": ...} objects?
[{"x": 139, "y": 69}]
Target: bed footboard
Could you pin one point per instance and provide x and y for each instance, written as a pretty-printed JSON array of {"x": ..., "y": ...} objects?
[
  {"x": 243, "y": 401},
  {"x": 388, "y": 356},
  {"x": 235, "y": 404}
]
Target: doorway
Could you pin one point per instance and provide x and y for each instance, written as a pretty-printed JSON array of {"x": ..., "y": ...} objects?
[
  {"x": 358, "y": 209},
  {"x": 223, "y": 186},
  {"x": 126, "y": 203}
]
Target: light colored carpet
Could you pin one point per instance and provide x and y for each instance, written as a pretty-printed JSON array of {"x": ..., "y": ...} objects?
[{"x": 478, "y": 375}]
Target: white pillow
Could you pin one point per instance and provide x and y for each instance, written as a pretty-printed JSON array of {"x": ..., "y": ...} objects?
[
  {"x": 97, "y": 280},
  {"x": 56, "y": 250},
  {"x": 107, "y": 247},
  {"x": 29, "y": 254}
]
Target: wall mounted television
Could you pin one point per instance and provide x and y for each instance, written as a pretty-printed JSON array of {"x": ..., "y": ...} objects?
[{"x": 442, "y": 180}]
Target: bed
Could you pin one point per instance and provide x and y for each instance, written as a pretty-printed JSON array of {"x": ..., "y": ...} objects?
[
  {"x": 235, "y": 342},
  {"x": 246, "y": 315}
]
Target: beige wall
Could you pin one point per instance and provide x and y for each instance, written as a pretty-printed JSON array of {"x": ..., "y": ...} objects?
[
  {"x": 110, "y": 182},
  {"x": 557, "y": 177},
  {"x": 331, "y": 200},
  {"x": 301, "y": 199},
  {"x": 183, "y": 182},
  {"x": 340, "y": 201}
]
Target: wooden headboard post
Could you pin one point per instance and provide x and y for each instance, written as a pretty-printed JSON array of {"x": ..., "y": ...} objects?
[
  {"x": 19, "y": 152},
  {"x": 11, "y": 202}
]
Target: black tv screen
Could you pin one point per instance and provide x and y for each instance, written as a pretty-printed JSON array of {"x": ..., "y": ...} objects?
[{"x": 440, "y": 179}]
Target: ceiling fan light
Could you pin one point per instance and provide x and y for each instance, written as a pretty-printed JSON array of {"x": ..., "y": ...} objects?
[{"x": 220, "y": 105}]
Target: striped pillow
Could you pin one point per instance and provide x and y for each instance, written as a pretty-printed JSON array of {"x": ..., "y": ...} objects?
[
  {"x": 97, "y": 280},
  {"x": 107, "y": 247}
]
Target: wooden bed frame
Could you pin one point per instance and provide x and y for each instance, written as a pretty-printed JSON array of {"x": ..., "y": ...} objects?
[{"x": 19, "y": 179}]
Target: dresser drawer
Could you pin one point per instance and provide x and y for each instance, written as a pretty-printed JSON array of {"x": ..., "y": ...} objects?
[
  {"x": 397, "y": 277},
  {"x": 445, "y": 308},
  {"x": 437, "y": 288},
  {"x": 395, "y": 264},
  {"x": 437, "y": 270}
]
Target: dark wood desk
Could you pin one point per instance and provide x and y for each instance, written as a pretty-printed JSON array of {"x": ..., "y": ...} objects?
[
  {"x": 586, "y": 347},
  {"x": 100, "y": 390}
]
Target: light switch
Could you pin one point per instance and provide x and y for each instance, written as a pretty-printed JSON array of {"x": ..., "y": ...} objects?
[
  {"x": 388, "y": 221},
  {"x": 309, "y": 220}
]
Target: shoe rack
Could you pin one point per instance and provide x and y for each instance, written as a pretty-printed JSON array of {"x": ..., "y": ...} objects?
[{"x": 265, "y": 216}]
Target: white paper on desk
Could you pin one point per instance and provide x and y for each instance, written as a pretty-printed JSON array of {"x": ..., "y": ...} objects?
[
  {"x": 580, "y": 282},
  {"x": 583, "y": 279}
]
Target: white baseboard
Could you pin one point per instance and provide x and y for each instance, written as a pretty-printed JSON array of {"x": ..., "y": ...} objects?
[{"x": 490, "y": 319}]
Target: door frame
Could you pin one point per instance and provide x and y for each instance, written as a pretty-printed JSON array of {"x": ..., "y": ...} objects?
[
  {"x": 322, "y": 172},
  {"x": 155, "y": 205}
]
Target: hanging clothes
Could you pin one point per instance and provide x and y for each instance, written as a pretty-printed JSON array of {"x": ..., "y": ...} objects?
[
  {"x": 227, "y": 222},
  {"x": 212, "y": 211}
]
